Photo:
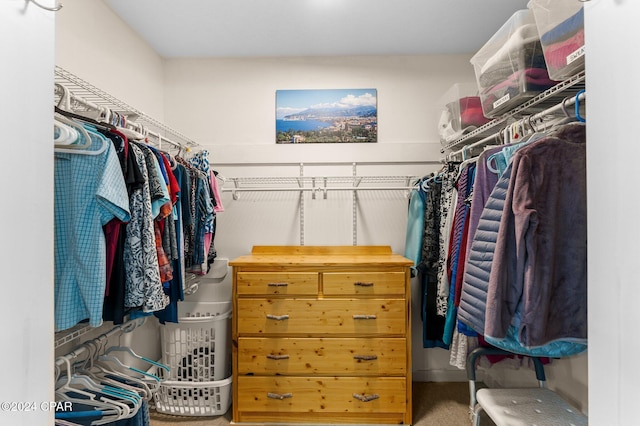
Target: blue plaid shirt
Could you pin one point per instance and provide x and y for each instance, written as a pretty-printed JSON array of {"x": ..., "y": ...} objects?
[{"x": 89, "y": 192}]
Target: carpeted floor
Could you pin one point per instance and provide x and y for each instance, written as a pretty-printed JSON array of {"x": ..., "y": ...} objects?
[{"x": 434, "y": 404}]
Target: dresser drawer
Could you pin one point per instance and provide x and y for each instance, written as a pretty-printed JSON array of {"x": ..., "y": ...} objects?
[
  {"x": 321, "y": 317},
  {"x": 268, "y": 283},
  {"x": 363, "y": 283},
  {"x": 322, "y": 394},
  {"x": 322, "y": 356}
]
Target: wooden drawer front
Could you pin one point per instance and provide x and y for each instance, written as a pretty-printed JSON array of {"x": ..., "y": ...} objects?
[
  {"x": 322, "y": 356},
  {"x": 322, "y": 394},
  {"x": 302, "y": 283},
  {"x": 321, "y": 317},
  {"x": 363, "y": 283}
]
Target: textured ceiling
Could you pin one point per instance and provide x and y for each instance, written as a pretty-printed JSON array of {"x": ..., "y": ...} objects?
[{"x": 259, "y": 28}]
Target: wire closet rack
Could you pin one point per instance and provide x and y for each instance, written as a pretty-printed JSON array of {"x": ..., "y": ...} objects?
[{"x": 85, "y": 97}]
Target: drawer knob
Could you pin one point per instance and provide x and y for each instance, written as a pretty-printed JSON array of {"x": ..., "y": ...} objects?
[
  {"x": 277, "y": 357},
  {"x": 364, "y": 317},
  {"x": 278, "y": 317},
  {"x": 280, "y": 396},
  {"x": 365, "y": 357},
  {"x": 363, "y": 284},
  {"x": 277, "y": 284},
  {"x": 366, "y": 398}
]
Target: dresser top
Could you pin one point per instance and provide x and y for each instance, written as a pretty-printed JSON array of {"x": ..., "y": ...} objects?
[{"x": 321, "y": 256}]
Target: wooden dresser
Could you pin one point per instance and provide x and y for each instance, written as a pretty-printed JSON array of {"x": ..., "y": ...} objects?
[{"x": 321, "y": 335}]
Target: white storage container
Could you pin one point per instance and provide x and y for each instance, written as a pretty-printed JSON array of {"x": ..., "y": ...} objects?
[
  {"x": 561, "y": 27},
  {"x": 194, "y": 398},
  {"x": 510, "y": 68},
  {"x": 461, "y": 112},
  {"x": 197, "y": 349}
]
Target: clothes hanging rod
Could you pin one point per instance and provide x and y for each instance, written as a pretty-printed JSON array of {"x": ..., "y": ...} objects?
[
  {"x": 320, "y": 189},
  {"x": 119, "y": 329},
  {"x": 327, "y": 163}
]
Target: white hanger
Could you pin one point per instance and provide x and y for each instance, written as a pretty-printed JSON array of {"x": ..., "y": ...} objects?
[
  {"x": 111, "y": 410},
  {"x": 135, "y": 355},
  {"x": 86, "y": 133},
  {"x": 106, "y": 377},
  {"x": 103, "y": 369},
  {"x": 66, "y": 135},
  {"x": 119, "y": 363},
  {"x": 82, "y": 133},
  {"x": 64, "y": 102}
]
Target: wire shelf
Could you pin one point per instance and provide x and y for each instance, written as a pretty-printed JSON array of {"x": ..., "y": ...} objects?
[
  {"x": 66, "y": 336},
  {"x": 82, "y": 89},
  {"x": 304, "y": 181},
  {"x": 544, "y": 100}
]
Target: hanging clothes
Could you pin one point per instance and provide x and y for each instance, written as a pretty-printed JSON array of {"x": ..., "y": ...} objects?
[
  {"x": 89, "y": 192},
  {"x": 541, "y": 249},
  {"x": 432, "y": 324},
  {"x": 144, "y": 287},
  {"x": 463, "y": 190},
  {"x": 114, "y": 308},
  {"x": 447, "y": 209},
  {"x": 415, "y": 224}
]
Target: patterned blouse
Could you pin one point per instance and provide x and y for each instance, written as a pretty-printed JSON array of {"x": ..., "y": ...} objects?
[{"x": 143, "y": 285}]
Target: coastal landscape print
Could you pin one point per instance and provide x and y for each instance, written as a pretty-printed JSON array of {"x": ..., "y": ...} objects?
[{"x": 326, "y": 116}]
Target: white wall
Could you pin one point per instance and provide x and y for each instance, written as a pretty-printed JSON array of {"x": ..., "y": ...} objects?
[
  {"x": 232, "y": 101},
  {"x": 26, "y": 219},
  {"x": 228, "y": 105},
  {"x": 93, "y": 43},
  {"x": 612, "y": 155}
]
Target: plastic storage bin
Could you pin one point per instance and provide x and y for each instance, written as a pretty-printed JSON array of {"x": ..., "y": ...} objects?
[
  {"x": 461, "y": 113},
  {"x": 561, "y": 28},
  {"x": 197, "y": 348},
  {"x": 194, "y": 398},
  {"x": 510, "y": 68},
  {"x": 197, "y": 352}
]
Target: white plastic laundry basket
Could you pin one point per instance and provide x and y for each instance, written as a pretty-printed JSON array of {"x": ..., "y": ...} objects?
[
  {"x": 194, "y": 398},
  {"x": 197, "y": 348}
]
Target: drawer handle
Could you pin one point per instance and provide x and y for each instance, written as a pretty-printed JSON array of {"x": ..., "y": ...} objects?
[
  {"x": 363, "y": 284},
  {"x": 278, "y": 317},
  {"x": 277, "y": 284},
  {"x": 365, "y": 357},
  {"x": 279, "y": 396},
  {"x": 364, "y": 317},
  {"x": 277, "y": 357},
  {"x": 366, "y": 398}
]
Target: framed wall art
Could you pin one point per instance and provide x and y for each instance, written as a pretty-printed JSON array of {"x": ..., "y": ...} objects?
[{"x": 326, "y": 116}]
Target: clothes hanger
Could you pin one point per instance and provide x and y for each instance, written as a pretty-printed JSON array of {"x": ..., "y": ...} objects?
[
  {"x": 129, "y": 386},
  {"x": 82, "y": 134},
  {"x": 577, "y": 106},
  {"x": 92, "y": 384},
  {"x": 97, "y": 138},
  {"x": 148, "y": 382},
  {"x": 64, "y": 134},
  {"x": 103, "y": 405},
  {"x": 130, "y": 351},
  {"x": 107, "y": 375},
  {"x": 119, "y": 363}
]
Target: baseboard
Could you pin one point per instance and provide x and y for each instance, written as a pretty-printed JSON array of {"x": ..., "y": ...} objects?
[{"x": 440, "y": 376}]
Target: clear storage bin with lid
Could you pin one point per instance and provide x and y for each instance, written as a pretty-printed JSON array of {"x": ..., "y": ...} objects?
[
  {"x": 461, "y": 112},
  {"x": 560, "y": 24},
  {"x": 510, "y": 68}
]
